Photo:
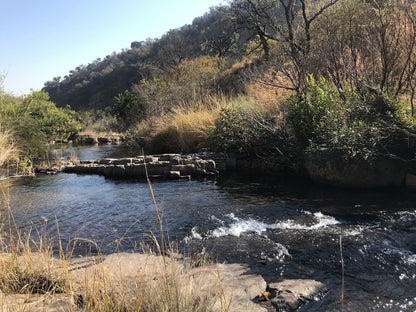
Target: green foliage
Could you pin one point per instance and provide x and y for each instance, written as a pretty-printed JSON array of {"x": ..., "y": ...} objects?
[
  {"x": 24, "y": 166},
  {"x": 362, "y": 123},
  {"x": 130, "y": 108},
  {"x": 34, "y": 121},
  {"x": 313, "y": 118},
  {"x": 241, "y": 130}
]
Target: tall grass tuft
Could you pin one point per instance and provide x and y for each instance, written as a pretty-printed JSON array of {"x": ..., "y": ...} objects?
[
  {"x": 8, "y": 149},
  {"x": 183, "y": 129}
]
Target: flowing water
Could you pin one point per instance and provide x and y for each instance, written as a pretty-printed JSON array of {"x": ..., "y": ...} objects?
[{"x": 280, "y": 228}]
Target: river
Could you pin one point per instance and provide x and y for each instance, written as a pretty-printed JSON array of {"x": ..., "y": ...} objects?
[{"x": 280, "y": 228}]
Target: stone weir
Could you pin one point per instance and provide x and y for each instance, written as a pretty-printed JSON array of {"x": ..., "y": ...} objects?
[{"x": 166, "y": 166}]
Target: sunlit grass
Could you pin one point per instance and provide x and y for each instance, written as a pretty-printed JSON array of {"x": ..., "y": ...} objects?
[
  {"x": 8, "y": 149},
  {"x": 183, "y": 129}
]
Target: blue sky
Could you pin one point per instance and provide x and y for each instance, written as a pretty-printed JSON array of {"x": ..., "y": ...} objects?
[{"x": 42, "y": 39}]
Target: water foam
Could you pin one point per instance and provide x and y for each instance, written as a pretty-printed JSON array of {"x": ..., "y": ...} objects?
[{"x": 239, "y": 226}]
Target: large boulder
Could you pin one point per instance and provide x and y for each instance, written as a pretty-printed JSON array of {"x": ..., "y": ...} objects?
[
  {"x": 333, "y": 167},
  {"x": 228, "y": 285}
]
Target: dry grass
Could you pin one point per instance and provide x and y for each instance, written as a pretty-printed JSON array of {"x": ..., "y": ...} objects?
[
  {"x": 182, "y": 129},
  {"x": 267, "y": 99},
  {"x": 30, "y": 272},
  {"x": 143, "y": 282},
  {"x": 185, "y": 128},
  {"x": 27, "y": 265},
  {"x": 8, "y": 149},
  {"x": 95, "y": 133}
]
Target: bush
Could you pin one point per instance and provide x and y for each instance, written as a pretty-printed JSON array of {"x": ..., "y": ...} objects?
[
  {"x": 130, "y": 108},
  {"x": 315, "y": 117},
  {"x": 363, "y": 122},
  {"x": 34, "y": 121},
  {"x": 242, "y": 130}
]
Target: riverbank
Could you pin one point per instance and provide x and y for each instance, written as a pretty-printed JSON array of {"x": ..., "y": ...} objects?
[{"x": 129, "y": 277}]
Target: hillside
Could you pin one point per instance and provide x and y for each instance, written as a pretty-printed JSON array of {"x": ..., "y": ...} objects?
[{"x": 95, "y": 85}]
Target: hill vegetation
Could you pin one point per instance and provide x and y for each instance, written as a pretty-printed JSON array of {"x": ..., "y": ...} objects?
[{"x": 95, "y": 85}]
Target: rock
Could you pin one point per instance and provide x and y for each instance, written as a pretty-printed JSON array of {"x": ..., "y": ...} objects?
[
  {"x": 46, "y": 171},
  {"x": 174, "y": 175},
  {"x": 289, "y": 295},
  {"x": 136, "y": 171},
  {"x": 138, "y": 160},
  {"x": 200, "y": 172},
  {"x": 37, "y": 303},
  {"x": 123, "y": 161},
  {"x": 410, "y": 180},
  {"x": 164, "y": 166},
  {"x": 86, "y": 139},
  {"x": 237, "y": 285},
  {"x": 105, "y": 161},
  {"x": 331, "y": 167},
  {"x": 231, "y": 283},
  {"x": 104, "y": 140},
  {"x": 168, "y": 157},
  {"x": 157, "y": 169},
  {"x": 188, "y": 169},
  {"x": 86, "y": 162},
  {"x": 115, "y": 171},
  {"x": 175, "y": 160},
  {"x": 210, "y": 166}
]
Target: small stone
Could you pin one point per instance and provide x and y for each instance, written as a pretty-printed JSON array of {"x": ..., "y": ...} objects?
[{"x": 210, "y": 166}]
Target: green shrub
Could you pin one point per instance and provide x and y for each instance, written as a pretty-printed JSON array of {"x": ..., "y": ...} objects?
[
  {"x": 362, "y": 123},
  {"x": 241, "y": 130},
  {"x": 314, "y": 118},
  {"x": 130, "y": 108},
  {"x": 34, "y": 121}
]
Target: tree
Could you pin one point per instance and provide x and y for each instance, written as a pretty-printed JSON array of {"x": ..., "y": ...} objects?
[
  {"x": 257, "y": 16},
  {"x": 136, "y": 44},
  {"x": 369, "y": 44},
  {"x": 35, "y": 120},
  {"x": 289, "y": 23},
  {"x": 130, "y": 108}
]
